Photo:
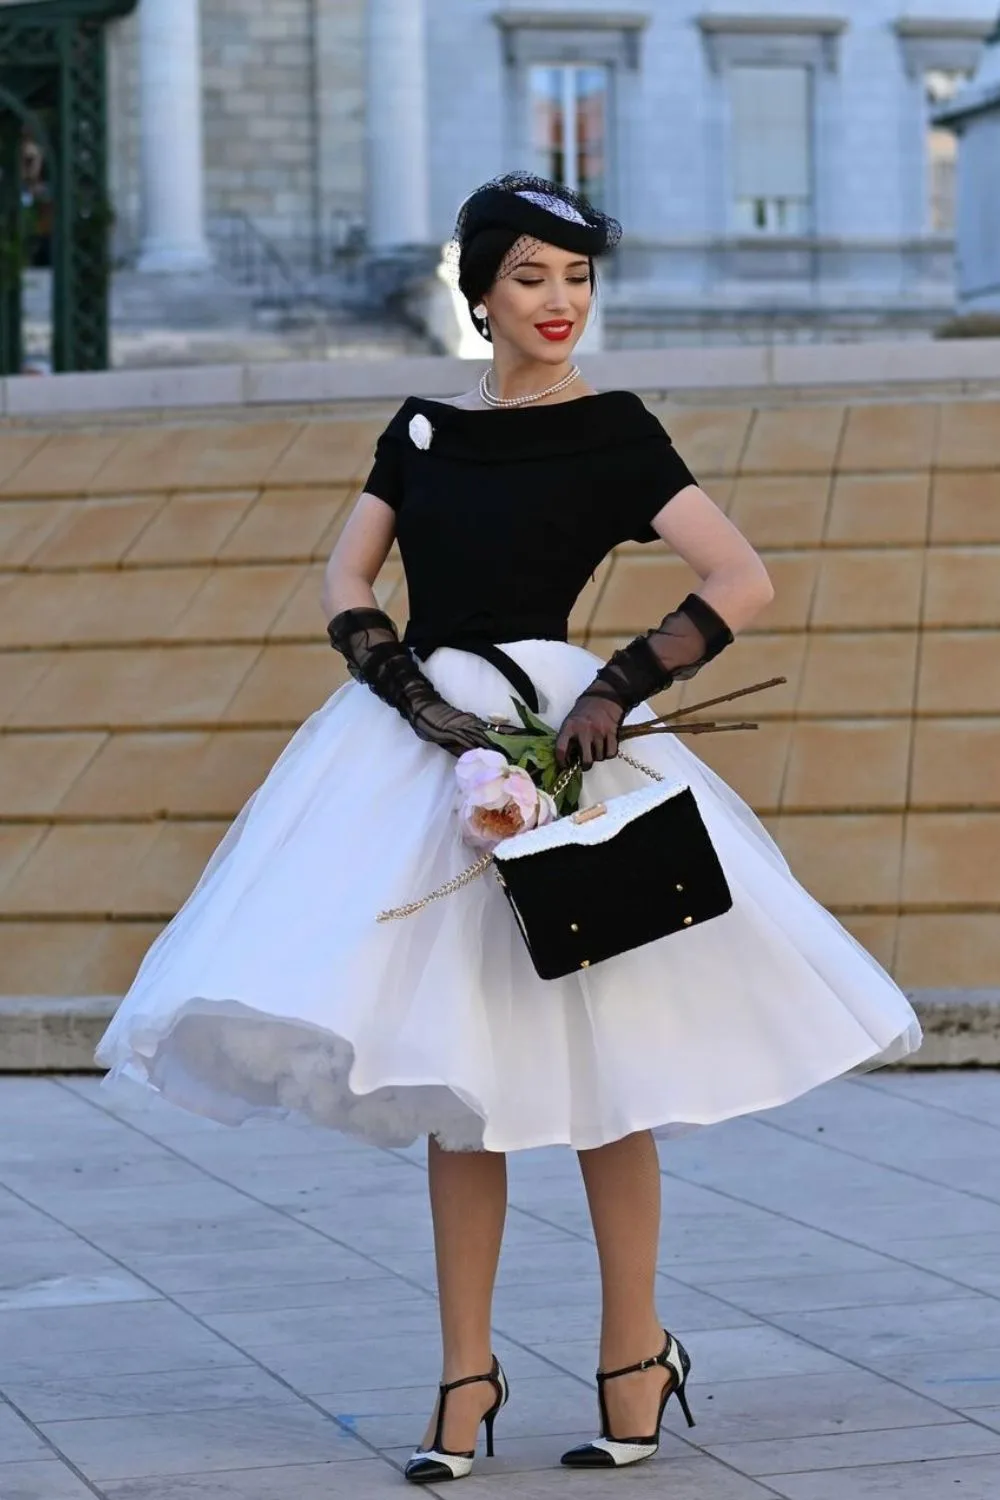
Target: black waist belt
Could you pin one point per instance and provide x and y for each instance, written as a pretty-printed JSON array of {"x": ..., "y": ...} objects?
[{"x": 482, "y": 646}]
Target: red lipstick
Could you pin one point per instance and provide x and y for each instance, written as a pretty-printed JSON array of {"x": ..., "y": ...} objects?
[{"x": 556, "y": 330}]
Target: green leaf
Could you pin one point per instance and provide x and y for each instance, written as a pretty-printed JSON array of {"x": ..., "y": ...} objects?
[{"x": 532, "y": 721}]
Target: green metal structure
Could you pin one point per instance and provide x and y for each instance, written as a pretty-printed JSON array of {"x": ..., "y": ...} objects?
[{"x": 53, "y": 90}]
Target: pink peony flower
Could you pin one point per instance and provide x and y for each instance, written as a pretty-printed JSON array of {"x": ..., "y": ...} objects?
[
  {"x": 482, "y": 772},
  {"x": 497, "y": 799}
]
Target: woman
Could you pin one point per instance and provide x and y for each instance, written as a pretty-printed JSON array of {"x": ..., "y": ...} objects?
[{"x": 275, "y": 989}]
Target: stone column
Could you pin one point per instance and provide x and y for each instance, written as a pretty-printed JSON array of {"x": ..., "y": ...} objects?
[
  {"x": 172, "y": 160},
  {"x": 398, "y": 166},
  {"x": 975, "y": 115}
]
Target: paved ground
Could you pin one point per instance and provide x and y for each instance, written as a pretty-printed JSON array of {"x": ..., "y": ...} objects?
[{"x": 191, "y": 1313}]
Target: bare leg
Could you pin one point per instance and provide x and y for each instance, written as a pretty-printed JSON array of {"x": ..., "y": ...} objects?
[
  {"x": 623, "y": 1189},
  {"x": 468, "y": 1204}
]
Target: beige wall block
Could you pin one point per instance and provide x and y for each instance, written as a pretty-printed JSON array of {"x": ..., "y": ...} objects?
[
  {"x": 174, "y": 775},
  {"x": 38, "y": 770},
  {"x": 889, "y": 437},
  {"x": 232, "y": 456},
  {"x": 16, "y": 449},
  {"x": 874, "y": 509},
  {"x": 285, "y": 525},
  {"x": 237, "y": 603},
  {"x": 338, "y": 452},
  {"x": 780, "y": 510},
  {"x": 67, "y": 463},
  {"x": 303, "y": 617},
  {"x": 109, "y": 966},
  {"x": 96, "y": 608},
  {"x": 793, "y": 575},
  {"x": 97, "y": 532},
  {"x": 796, "y": 440},
  {"x": 583, "y": 611},
  {"x": 952, "y": 859},
  {"x": 46, "y": 958},
  {"x": 965, "y": 507},
  {"x": 847, "y": 860},
  {"x": 878, "y": 934},
  {"x": 25, "y": 525},
  {"x": 959, "y": 950},
  {"x": 753, "y": 763},
  {"x": 191, "y": 528},
  {"x": 963, "y": 587},
  {"x": 852, "y": 764},
  {"x": 959, "y": 673},
  {"x": 860, "y": 674},
  {"x": 17, "y": 844},
  {"x": 287, "y": 684},
  {"x": 170, "y": 869},
  {"x": 120, "y": 689},
  {"x": 711, "y": 439},
  {"x": 869, "y": 590},
  {"x": 79, "y": 870},
  {"x": 640, "y": 591},
  {"x": 20, "y": 674},
  {"x": 956, "y": 763},
  {"x": 969, "y": 435},
  {"x": 752, "y": 659}
]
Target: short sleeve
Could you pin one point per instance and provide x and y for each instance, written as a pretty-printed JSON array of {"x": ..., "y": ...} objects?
[
  {"x": 653, "y": 474},
  {"x": 386, "y": 477}
]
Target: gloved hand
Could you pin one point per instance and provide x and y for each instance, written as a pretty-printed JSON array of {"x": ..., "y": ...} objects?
[
  {"x": 368, "y": 640},
  {"x": 681, "y": 644}
]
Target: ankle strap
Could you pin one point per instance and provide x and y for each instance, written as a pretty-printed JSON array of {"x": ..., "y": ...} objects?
[
  {"x": 453, "y": 1385},
  {"x": 644, "y": 1364}
]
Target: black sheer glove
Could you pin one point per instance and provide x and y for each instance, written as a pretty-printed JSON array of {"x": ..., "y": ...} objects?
[
  {"x": 377, "y": 657},
  {"x": 679, "y": 647}
]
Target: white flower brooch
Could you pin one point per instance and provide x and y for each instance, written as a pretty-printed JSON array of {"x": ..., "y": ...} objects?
[{"x": 421, "y": 431}]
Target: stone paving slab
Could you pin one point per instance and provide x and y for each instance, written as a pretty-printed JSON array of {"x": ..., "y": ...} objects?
[{"x": 194, "y": 1313}]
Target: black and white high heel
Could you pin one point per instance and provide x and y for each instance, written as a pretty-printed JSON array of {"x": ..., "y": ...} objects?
[
  {"x": 607, "y": 1452},
  {"x": 435, "y": 1464}
]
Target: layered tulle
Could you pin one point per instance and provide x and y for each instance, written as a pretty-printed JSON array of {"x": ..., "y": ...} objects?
[{"x": 275, "y": 990}]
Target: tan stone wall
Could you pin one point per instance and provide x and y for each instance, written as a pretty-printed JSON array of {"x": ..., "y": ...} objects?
[{"x": 161, "y": 638}]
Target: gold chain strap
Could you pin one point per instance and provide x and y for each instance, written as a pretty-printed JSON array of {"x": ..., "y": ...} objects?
[
  {"x": 467, "y": 876},
  {"x": 640, "y": 767}
]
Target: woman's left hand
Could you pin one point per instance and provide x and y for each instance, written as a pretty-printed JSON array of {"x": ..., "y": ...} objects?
[{"x": 589, "y": 731}]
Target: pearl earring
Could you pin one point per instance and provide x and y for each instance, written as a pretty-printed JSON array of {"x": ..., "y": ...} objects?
[{"x": 480, "y": 311}]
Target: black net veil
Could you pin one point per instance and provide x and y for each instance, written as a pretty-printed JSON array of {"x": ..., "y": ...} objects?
[{"x": 503, "y": 222}]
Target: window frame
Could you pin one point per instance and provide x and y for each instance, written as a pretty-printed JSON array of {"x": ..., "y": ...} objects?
[
  {"x": 928, "y": 45},
  {"x": 735, "y": 221},
  {"x": 587, "y": 38},
  {"x": 755, "y": 40}
]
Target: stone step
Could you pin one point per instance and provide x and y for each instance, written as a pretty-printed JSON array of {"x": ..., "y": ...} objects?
[{"x": 43, "y": 1034}]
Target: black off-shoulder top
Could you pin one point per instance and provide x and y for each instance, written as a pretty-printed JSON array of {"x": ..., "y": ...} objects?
[{"x": 504, "y": 515}]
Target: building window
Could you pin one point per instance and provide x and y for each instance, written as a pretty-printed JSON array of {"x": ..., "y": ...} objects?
[
  {"x": 569, "y": 125},
  {"x": 940, "y": 86},
  {"x": 771, "y": 149}
]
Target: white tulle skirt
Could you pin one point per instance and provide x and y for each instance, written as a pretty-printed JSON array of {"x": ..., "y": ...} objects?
[{"x": 275, "y": 990}]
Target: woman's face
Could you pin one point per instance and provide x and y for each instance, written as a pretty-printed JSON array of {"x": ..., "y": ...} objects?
[{"x": 540, "y": 309}]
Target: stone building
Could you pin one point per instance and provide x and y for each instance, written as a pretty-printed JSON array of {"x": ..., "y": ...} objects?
[{"x": 776, "y": 163}]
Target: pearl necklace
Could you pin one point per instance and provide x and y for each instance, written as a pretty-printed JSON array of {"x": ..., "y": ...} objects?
[{"x": 488, "y": 399}]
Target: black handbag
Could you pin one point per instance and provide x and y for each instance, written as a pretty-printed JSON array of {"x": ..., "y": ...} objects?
[{"x": 611, "y": 878}]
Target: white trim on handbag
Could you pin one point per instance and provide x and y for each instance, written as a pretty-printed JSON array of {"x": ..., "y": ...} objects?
[{"x": 591, "y": 825}]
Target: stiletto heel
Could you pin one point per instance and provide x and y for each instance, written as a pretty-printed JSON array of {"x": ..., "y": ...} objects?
[
  {"x": 607, "y": 1452},
  {"x": 436, "y": 1464}
]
